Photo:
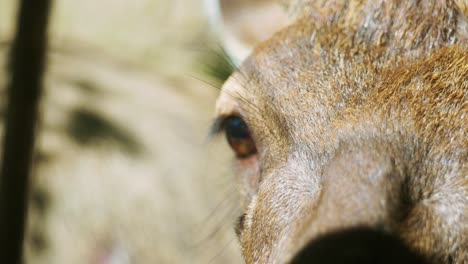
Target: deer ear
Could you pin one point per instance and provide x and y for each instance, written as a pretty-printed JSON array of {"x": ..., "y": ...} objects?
[{"x": 241, "y": 24}]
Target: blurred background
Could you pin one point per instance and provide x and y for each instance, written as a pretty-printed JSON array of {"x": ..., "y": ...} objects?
[{"x": 123, "y": 171}]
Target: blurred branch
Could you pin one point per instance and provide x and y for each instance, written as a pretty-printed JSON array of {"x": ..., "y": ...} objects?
[{"x": 24, "y": 90}]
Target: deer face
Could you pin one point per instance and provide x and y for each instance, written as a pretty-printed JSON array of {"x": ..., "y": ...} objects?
[{"x": 349, "y": 130}]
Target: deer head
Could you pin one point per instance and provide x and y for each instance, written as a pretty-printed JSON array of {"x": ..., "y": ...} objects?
[{"x": 349, "y": 127}]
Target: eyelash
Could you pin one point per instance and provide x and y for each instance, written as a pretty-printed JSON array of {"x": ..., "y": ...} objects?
[{"x": 217, "y": 126}]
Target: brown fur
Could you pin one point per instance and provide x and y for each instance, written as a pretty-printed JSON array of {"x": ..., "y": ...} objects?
[{"x": 358, "y": 110}]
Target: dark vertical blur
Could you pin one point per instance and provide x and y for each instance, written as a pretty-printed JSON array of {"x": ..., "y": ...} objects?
[{"x": 24, "y": 90}]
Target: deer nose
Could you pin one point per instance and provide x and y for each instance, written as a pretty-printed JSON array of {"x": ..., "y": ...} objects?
[{"x": 357, "y": 245}]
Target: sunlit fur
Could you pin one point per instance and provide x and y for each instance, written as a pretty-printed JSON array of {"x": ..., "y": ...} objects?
[{"x": 359, "y": 112}]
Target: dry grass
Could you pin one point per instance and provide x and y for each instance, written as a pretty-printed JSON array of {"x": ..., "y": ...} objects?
[{"x": 123, "y": 169}]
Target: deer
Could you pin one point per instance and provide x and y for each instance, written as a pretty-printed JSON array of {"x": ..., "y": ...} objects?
[{"x": 348, "y": 124}]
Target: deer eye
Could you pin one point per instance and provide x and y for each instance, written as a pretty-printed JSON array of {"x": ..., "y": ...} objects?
[{"x": 239, "y": 137}]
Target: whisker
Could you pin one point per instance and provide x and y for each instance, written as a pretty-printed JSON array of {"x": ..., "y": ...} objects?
[
  {"x": 256, "y": 109},
  {"x": 223, "y": 249},
  {"x": 226, "y": 56},
  {"x": 222, "y": 223},
  {"x": 204, "y": 81},
  {"x": 210, "y": 236},
  {"x": 216, "y": 208},
  {"x": 215, "y": 63}
]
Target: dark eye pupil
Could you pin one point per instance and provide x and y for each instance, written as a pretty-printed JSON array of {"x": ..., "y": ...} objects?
[
  {"x": 239, "y": 138},
  {"x": 236, "y": 128}
]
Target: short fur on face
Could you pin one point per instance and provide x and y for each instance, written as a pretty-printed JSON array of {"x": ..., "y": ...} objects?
[{"x": 359, "y": 112}]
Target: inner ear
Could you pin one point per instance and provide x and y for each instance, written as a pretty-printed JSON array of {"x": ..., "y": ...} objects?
[{"x": 242, "y": 24}]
